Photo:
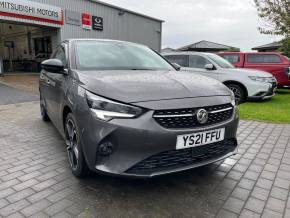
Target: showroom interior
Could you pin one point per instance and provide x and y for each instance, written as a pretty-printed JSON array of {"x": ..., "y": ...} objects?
[{"x": 24, "y": 47}]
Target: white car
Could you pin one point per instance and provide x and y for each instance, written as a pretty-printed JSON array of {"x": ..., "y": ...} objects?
[{"x": 246, "y": 84}]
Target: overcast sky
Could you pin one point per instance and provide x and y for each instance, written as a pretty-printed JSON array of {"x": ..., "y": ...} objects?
[{"x": 230, "y": 22}]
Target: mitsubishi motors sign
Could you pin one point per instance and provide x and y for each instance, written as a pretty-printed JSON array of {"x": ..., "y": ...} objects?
[{"x": 30, "y": 10}]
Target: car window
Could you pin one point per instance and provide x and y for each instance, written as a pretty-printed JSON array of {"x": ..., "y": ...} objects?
[
  {"x": 196, "y": 61},
  {"x": 182, "y": 60},
  {"x": 232, "y": 58},
  {"x": 263, "y": 58},
  {"x": 223, "y": 63},
  {"x": 60, "y": 55}
]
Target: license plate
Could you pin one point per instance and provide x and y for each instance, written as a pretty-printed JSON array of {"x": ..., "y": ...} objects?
[{"x": 200, "y": 138}]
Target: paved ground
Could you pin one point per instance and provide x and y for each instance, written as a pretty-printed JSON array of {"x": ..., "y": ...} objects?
[
  {"x": 11, "y": 95},
  {"x": 35, "y": 179},
  {"x": 23, "y": 81}
]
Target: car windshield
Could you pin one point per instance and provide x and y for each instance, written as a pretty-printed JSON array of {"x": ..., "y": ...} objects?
[
  {"x": 223, "y": 63},
  {"x": 110, "y": 55}
]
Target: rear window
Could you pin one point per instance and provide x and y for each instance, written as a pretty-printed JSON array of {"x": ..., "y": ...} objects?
[
  {"x": 182, "y": 60},
  {"x": 232, "y": 58},
  {"x": 263, "y": 58}
]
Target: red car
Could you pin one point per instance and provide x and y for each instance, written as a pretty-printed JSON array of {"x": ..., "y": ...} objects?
[{"x": 272, "y": 62}]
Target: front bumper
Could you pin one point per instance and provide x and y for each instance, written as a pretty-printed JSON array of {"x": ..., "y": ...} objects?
[
  {"x": 266, "y": 94},
  {"x": 137, "y": 140},
  {"x": 180, "y": 160}
]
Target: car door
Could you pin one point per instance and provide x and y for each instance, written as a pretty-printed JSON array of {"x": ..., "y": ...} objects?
[
  {"x": 197, "y": 65},
  {"x": 55, "y": 84}
]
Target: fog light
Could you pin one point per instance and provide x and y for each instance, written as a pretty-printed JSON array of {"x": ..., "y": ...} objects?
[{"x": 106, "y": 149}]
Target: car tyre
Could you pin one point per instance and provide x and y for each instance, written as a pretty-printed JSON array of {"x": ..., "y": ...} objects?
[
  {"x": 43, "y": 112},
  {"x": 74, "y": 149},
  {"x": 238, "y": 91}
]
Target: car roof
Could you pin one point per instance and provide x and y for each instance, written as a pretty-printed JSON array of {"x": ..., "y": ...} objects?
[
  {"x": 186, "y": 53},
  {"x": 268, "y": 52}
]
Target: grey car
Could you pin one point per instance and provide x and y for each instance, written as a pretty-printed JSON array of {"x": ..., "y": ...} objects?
[{"x": 124, "y": 110}]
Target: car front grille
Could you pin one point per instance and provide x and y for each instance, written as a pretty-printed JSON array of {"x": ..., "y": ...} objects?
[
  {"x": 186, "y": 118},
  {"x": 272, "y": 90},
  {"x": 173, "y": 159}
]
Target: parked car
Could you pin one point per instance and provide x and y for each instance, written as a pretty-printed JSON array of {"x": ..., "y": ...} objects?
[
  {"x": 246, "y": 84},
  {"x": 273, "y": 62},
  {"x": 122, "y": 109}
]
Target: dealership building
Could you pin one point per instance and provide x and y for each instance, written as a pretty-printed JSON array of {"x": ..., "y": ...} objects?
[{"x": 31, "y": 29}]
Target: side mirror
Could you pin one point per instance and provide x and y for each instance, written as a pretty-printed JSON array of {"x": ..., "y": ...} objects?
[
  {"x": 176, "y": 66},
  {"x": 53, "y": 66},
  {"x": 209, "y": 67}
]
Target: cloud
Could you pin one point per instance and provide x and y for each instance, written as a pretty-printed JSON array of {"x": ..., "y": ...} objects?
[{"x": 230, "y": 22}]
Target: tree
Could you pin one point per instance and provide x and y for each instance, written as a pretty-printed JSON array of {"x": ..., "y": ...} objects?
[
  {"x": 275, "y": 16},
  {"x": 233, "y": 49},
  {"x": 286, "y": 46}
]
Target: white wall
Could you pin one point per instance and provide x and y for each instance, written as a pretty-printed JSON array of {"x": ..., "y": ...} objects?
[{"x": 128, "y": 27}]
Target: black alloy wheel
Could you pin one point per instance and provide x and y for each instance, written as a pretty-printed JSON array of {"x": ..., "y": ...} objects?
[
  {"x": 238, "y": 92},
  {"x": 74, "y": 151}
]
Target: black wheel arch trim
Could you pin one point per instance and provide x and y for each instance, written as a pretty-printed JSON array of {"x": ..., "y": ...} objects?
[
  {"x": 66, "y": 109},
  {"x": 239, "y": 84}
]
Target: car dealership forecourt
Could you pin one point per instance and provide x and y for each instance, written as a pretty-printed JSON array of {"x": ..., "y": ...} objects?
[{"x": 35, "y": 169}]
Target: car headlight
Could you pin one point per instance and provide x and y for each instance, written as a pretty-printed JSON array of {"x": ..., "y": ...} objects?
[
  {"x": 263, "y": 79},
  {"x": 106, "y": 109},
  {"x": 233, "y": 98}
]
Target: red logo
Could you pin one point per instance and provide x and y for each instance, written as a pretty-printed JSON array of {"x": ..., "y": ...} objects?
[{"x": 87, "y": 21}]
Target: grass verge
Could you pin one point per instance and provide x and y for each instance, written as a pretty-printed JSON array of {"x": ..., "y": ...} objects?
[{"x": 275, "y": 110}]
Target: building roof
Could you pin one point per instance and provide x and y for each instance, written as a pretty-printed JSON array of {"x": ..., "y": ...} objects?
[
  {"x": 167, "y": 49},
  {"x": 206, "y": 45},
  {"x": 185, "y": 53},
  {"x": 268, "y": 46},
  {"x": 126, "y": 10}
]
